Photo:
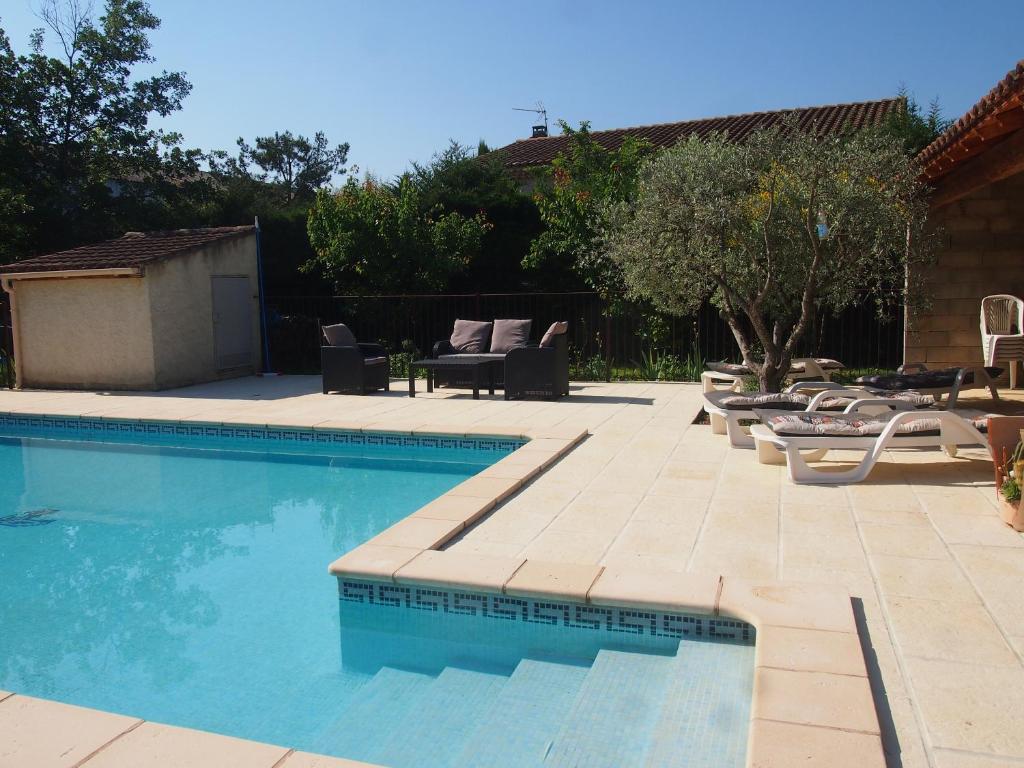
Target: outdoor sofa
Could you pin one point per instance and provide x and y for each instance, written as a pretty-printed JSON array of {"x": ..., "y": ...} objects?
[
  {"x": 351, "y": 366},
  {"x": 523, "y": 368}
]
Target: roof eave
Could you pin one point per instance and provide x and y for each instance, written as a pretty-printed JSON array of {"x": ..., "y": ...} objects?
[{"x": 55, "y": 274}]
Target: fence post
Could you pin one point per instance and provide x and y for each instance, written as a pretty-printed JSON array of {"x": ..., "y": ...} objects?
[{"x": 607, "y": 345}]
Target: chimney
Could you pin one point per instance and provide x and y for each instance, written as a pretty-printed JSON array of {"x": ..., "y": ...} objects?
[{"x": 540, "y": 131}]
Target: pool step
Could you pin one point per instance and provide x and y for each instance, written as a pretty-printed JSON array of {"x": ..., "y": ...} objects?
[
  {"x": 432, "y": 733},
  {"x": 515, "y": 730},
  {"x": 614, "y": 713},
  {"x": 694, "y": 719},
  {"x": 389, "y": 695}
]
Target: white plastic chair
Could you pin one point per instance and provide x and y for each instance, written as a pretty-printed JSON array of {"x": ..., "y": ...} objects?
[{"x": 1002, "y": 331}]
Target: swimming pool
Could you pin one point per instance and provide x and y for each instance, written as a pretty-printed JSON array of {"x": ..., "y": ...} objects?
[{"x": 177, "y": 573}]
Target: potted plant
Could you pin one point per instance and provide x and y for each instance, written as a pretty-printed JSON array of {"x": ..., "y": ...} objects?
[{"x": 1010, "y": 480}]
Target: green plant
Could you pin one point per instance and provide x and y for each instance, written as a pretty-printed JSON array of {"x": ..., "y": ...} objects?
[
  {"x": 398, "y": 362},
  {"x": 6, "y": 371},
  {"x": 1012, "y": 470},
  {"x": 593, "y": 368},
  {"x": 1010, "y": 489},
  {"x": 772, "y": 230}
]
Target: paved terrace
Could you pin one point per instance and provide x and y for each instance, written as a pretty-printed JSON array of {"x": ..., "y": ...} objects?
[{"x": 936, "y": 576}]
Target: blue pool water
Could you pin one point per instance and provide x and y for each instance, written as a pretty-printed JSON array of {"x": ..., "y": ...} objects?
[{"x": 179, "y": 575}]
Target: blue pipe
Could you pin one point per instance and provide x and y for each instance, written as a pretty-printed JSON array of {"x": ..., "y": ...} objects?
[{"x": 263, "y": 306}]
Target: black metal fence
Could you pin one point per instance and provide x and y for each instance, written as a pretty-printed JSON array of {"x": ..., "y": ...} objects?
[{"x": 413, "y": 323}]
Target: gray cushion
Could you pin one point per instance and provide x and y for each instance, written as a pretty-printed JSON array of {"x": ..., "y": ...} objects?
[
  {"x": 510, "y": 334},
  {"x": 557, "y": 329},
  {"x": 481, "y": 356},
  {"x": 732, "y": 369},
  {"x": 339, "y": 335},
  {"x": 470, "y": 336},
  {"x": 787, "y": 401},
  {"x": 375, "y": 360},
  {"x": 825, "y": 363}
]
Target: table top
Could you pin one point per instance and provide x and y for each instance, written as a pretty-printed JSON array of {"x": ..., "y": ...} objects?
[{"x": 463, "y": 361}]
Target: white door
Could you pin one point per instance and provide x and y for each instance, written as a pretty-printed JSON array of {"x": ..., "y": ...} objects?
[{"x": 232, "y": 322}]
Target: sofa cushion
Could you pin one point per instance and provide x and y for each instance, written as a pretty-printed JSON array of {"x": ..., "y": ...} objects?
[
  {"x": 470, "y": 336},
  {"x": 375, "y": 361},
  {"x": 509, "y": 335},
  {"x": 557, "y": 328},
  {"x": 783, "y": 401},
  {"x": 339, "y": 335}
]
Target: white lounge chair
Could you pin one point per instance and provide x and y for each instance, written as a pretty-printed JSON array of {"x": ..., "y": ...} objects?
[
  {"x": 727, "y": 409},
  {"x": 939, "y": 383},
  {"x": 734, "y": 375},
  {"x": 1002, "y": 331},
  {"x": 781, "y": 437}
]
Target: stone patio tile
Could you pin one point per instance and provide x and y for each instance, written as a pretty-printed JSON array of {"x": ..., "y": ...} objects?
[
  {"x": 958, "y": 632},
  {"x": 308, "y": 760},
  {"x": 550, "y": 579},
  {"x": 998, "y": 575},
  {"x": 841, "y": 551},
  {"x": 495, "y": 488},
  {"x": 980, "y": 530},
  {"x": 625, "y": 560},
  {"x": 814, "y": 698},
  {"x": 650, "y": 537},
  {"x": 418, "y": 532},
  {"x": 691, "y": 470},
  {"x": 46, "y": 734},
  {"x": 810, "y": 650},
  {"x": 960, "y": 501},
  {"x": 489, "y": 548},
  {"x": 811, "y": 518},
  {"x": 786, "y": 745},
  {"x": 470, "y": 571},
  {"x": 945, "y": 758},
  {"x": 970, "y": 707},
  {"x": 736, "y": 558},
  {"x": 672, "y": 510},
  {"x": 902, "y": 541},
  {"x": 674, "y": 592},
  {"x": 468, "y": 509},
  {"x": 876, "y": 497},
  {"x": 930, "y": 579},
  {"x": 685, "y": 488},
  {"x": 912, "y": 516},
  {"x": 5, "y": 694},
  {"x": 569, "y": 546},
  {"x": 518, "y": 526},
  {"x": 374, "y": 561},
  {"x": 165, "y": 745},
  {"x": 782, "y": 604},
  {"x": 901, "y": 740}
]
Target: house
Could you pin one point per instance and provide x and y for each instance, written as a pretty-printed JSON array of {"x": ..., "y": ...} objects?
[
  {"x": 149, "y": 310},
  {"x": 524, "y": 157},
  {"x": 976, "y": 170}
]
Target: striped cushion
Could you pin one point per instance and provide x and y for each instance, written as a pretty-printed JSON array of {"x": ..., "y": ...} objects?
[
  {"x": 783, "y": 401},
  {"x": 854, "y": 425}
]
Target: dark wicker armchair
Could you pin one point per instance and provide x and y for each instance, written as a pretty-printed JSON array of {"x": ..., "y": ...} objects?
[
  {"x": 348, "y": 366},
  {"x": 538, "y": 371}
]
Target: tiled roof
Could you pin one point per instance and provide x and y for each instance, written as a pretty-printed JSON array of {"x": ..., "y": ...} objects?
[
  {"x": 1008, "y": 94},
  {"x": 827, "y": 119},
  {"x": 133, "y": 249}
]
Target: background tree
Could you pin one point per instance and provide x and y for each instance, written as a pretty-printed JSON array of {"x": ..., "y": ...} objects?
[
  {"x": 72, "y": 124},
  {"x": 913, "y": 126},
  {"x": 573, "y": 197},
  {"x": 372, "y": 238},
  {"x": 290, "y": 168},
  {"x": 770, "y": 230},
  {"x": 457, "y": 180}
]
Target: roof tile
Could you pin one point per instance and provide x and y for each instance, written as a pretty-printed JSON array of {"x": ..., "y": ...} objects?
[
  {"x": 828, "y": 119},
  {"x": 133, "y": 249}
]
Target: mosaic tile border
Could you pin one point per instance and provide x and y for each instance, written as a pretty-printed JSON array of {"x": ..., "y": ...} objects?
[
  {"x": 256, "y": 433},
  {"x": 579, "y": 616}
]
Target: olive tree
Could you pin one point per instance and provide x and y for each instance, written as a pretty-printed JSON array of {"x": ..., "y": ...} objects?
[{"x": 771, "y": 230}]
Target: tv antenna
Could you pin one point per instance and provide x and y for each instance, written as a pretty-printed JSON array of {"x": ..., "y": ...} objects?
[{"x": 542, "y": 113}]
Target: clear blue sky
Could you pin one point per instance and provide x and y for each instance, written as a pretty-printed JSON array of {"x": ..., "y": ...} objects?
[{"x": 397, "y": 79}]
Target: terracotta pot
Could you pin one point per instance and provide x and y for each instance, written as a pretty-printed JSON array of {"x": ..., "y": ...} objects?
[{"x": 1012, "y": 514}]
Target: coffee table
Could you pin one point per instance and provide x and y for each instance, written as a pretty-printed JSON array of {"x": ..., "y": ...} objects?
[{"x": 482, "y": 369}]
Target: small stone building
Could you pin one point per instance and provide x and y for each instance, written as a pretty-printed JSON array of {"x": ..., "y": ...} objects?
[
  {"x": 149, "y": 310},
  {"x": 976, "y": 169}
]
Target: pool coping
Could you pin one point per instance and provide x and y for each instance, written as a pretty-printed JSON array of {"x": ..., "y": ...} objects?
[{"x": 812, "y": 698}]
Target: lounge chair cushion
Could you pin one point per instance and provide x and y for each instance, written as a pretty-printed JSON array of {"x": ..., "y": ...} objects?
[
  {"x": 509, "y": 335},
  {"x": 825, "y": 363},
  {"x": 916, "y": 399},
  {"x": 732, "y": 369},
  {"x": 557, "y": 328},
  {"x": 470, "y": 336},
  {"x": 816, "y": 423},
  {"x": 339, "y": 335},
  {"x": 938, "y": 379},
  {"x": 782, "y": 401}
]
